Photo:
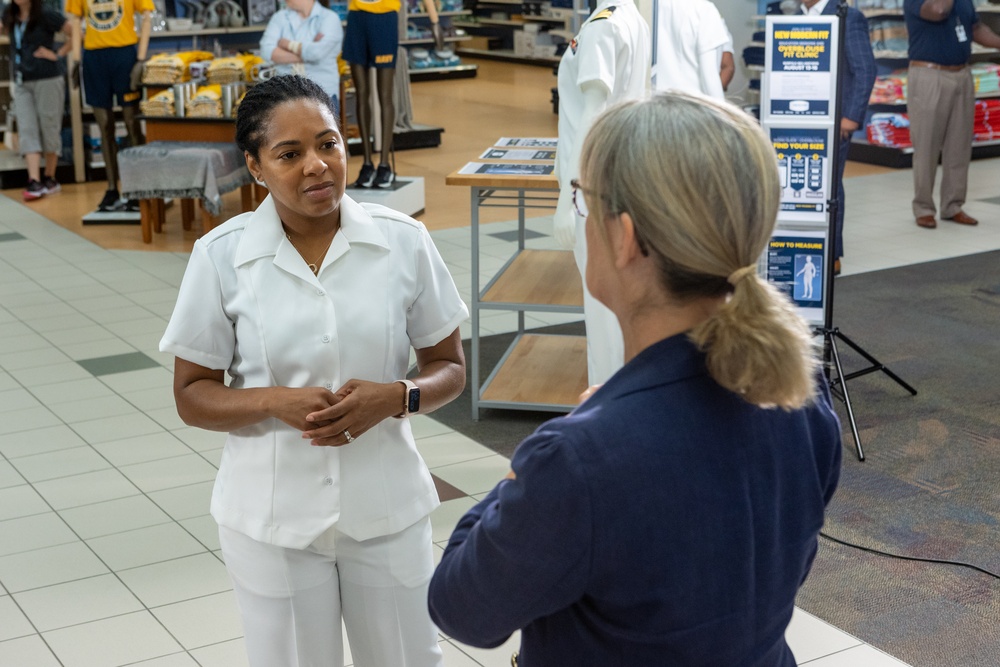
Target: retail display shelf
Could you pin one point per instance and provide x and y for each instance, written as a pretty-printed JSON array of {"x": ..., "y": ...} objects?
[
  {"x": 443, "y": 73},
  {"x": 508, "y": 55},
  {"x": 545, "y": 19},
  {"x": 487, "y": 22},
  {"x": 430, "y": 40},
  {"x": 902, "y": 158},
  {"x": 208, "y": 31}
]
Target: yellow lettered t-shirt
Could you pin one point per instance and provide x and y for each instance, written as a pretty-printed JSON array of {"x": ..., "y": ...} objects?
[
  {"x": 373, "y": 6},
  {"x": 108, "y": 23}
]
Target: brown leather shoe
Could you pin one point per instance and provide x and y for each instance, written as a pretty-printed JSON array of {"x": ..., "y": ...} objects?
[
  {"x": 927, "y": 222},
  {"x": 963, "y": 219}
]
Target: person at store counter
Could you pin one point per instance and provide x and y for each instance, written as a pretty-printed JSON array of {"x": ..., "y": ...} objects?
[
  {"x": 690, "y": 37},
  {"x": 312, "y": 304},
  {"x": 111, "y": 68},
  {"x": 858, "y": 71},
  {"x": 371, "y": 41},
  {"x": 305, "y": 38},
  {"x": 39, "y": 89},
  {"x": 673, "y": 515},
  {"x": 941, "y": 99},
  {"x": 607, "y": 62}
]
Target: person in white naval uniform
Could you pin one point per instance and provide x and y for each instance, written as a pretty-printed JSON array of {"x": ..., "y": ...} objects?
[
  {"x": 690, "y": 36},
  {"x": 606, "y": 63},
  {"x": 312, "y": 304}
]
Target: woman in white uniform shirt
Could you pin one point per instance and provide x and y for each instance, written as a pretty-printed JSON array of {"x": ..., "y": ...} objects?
[
  {"x": 305, "y": 38},
  {"x": 312, "y": 304}
]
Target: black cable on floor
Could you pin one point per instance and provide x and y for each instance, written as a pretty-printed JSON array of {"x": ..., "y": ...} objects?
[{"x": 915, "y": 558}]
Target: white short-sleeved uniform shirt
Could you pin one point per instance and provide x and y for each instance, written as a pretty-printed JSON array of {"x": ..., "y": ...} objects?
[
  {"x": 685, "y": 29},
  {"x": 249, "y": 305},
  {"x": 613, "y": 47}
]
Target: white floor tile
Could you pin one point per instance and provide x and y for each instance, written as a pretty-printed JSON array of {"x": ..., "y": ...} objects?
[
  {"x": 20, "y": 501},
  {"x": 97, "y": 348},
  {"x": 103, "y": 430},
  {"x": 9, "y": 476},
  {"x": 27, "y": 419},
  {"x": 453, "y": 657},
  {"x": 113, "y": 516},
  {"x": 27, "y": 651},
  {"x": 444, "y": 518},
  {"x": 71, "y": 391},
  {"x": 185, "y": 502},
  {"x": 48, "y": 567},
  {"x": 91, "y": 487},
  {"x": 450, "y": 448},
  {"x": 200, "y": 440},
  {"x": 169, "y": 473},
  {"x": 204, "y": 529},
  {"x": 177, "y": 580},
  {"x": 37, "y": 531},
  {"x": 203, "y": 621},
  {"x": 61, "y": 371},
  {"x": 121, "y": 640},
  {"x": 77, "y": 602},
  {"x": 13, "y": 622},
  {"x": 476, "y": 476},
  {"x": 493, "y": 657},
  {"x": 810, "y": 637},
  {"x": 145, "y": 546},
  {"x": 62, "y": 463},
  {"x": 859, "y": 656},
  {"x": 227, "y": 654},
  {"x": 147, "y": 378},
  {"x": 142, "y": 449}
]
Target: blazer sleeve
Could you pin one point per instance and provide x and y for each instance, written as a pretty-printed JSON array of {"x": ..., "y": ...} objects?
[
  {"x": 860, "y": 62},
  {"x": 522, "y": 553}
]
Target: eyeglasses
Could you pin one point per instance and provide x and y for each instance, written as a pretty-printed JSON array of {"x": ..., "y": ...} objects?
[
  {"x": 579, "y": 201},
  {"x": 580, "y": 204}
]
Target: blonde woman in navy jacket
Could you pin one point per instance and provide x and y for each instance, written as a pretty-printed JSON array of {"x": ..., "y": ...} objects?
[{"x": 671, "y": 518}]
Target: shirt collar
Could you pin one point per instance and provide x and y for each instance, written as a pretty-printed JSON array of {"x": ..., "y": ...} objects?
[
  {"x": 263, "y": 236},
  {"x": 816, "y": 9}
]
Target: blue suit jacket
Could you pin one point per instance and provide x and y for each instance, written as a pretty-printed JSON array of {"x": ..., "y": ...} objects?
[
  {"x": 859, "y": 70},
  {"x": 664, "y": 522}
]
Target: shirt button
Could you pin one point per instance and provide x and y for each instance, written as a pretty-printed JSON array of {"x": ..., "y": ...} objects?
[
  {"x": 328, "y": 481},
  {"x": 320, "y": 292},
  {"x": 326, "y": 338},
  {"x": 329, "y": 385}
]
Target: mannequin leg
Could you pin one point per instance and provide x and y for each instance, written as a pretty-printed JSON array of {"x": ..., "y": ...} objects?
[
  {"x": 363, "y": 102},
  {"x": 109, "y": 148},
  {"x": 385, "y": 79},
  {"x": 132, "y": 125}
]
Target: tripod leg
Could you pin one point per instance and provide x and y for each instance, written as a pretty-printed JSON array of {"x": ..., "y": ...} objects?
[
  {"x": 847, "y": 398},
  {"x": 875, "y": 362}
]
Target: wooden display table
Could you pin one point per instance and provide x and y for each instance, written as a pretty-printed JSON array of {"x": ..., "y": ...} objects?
[{"x": 537, "y": 372}]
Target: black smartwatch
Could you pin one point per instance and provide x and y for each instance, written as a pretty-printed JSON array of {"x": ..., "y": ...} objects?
[{"x": 411, "y": 399}]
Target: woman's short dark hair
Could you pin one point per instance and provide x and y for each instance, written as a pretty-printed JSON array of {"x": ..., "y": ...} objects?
[
  {"x": 258, "y": 104},
  {"x": 12, "y": 12}
]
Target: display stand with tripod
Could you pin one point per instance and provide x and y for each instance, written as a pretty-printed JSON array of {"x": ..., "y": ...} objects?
[{"x": 801, "y": 110}]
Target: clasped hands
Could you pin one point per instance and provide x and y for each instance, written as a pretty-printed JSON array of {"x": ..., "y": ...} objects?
[{"x": 326, "y": 417}]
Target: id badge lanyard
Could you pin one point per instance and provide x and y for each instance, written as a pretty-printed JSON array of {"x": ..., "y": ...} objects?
[{"x": 18, "y": 37}]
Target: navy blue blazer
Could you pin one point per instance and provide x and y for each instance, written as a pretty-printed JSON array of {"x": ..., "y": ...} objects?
[
  {"x": 858, "y": 74},
  {"x": 666, "y": 521}
]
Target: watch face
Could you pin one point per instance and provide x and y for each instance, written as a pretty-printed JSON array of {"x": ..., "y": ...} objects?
[{"x": 413, "y": 400}]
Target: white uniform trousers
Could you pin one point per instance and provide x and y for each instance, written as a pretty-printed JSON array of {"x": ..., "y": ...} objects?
[
  {"x": 292, "y": 600},
  {"x": 605, "y": 345}
]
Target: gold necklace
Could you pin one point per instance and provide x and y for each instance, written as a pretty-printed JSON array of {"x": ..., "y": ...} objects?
[{"x": 313, "y": 266}]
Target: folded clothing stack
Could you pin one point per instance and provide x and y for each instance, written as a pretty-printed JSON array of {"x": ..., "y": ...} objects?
[
  {"x": 987, "y": 120},
  {"x": 171, "y": 68},
  {"x": 889, "y": 129},
  {"x": 890, "y": 88},
  {"x": 205, "y": 103},
  {"x": 233, "y": 69},
  {"x": 161, "y": 104},
  {"x": 987, "y": 78}
]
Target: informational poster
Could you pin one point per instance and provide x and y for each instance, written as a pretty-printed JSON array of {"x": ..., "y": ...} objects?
[
  {"x": 510, "y": 169},
  {"x": 528, "y": 142},
  {"x": 805, "y": 170},
  {"x": 800, "y": 70},
  {"x": 796, "y": 265},
  {"x": 517, "y": 154}
]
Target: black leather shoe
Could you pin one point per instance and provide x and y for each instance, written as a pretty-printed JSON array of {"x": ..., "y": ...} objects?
[
  {"x": 366, "y": 177},
  {"x": 384, "y": 178}
]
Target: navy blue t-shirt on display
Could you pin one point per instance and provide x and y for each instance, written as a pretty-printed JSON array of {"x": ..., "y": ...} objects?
[{"x": 948, "y": 42}]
